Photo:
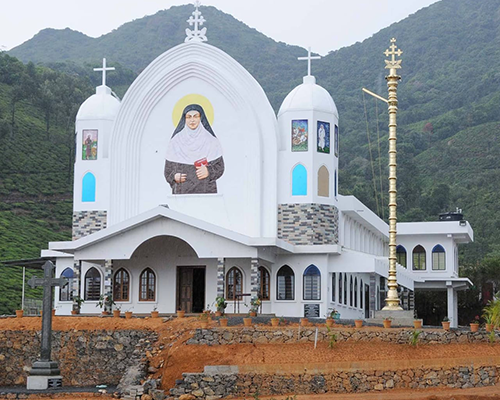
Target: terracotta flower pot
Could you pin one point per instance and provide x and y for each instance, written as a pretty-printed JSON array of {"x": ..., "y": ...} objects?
[
  {"x": 358, "y": 323},
  {"x": 387, "y": 323},
  {"x": 489, "y": 327},
  {"x": 304, "y": 322},
  {"x": 223, "y": 321},
  {"x": 155, "y": 314},
  {"x": 19, "y": 313},
  {"x": 104, "y": 313},
  {"x": 75, "y": 312},
  {"x": 247, "y": 321},
  {"x": 128, "y": 314},
  {"x": 116, "y": 313},
  {"x": 417, "y": 324},
  {"x": 180, "y": 314},
  {"x": 253, "y": 314},
  {"x": 474, "y": 327},
  {"x": 275, "y": 321},
  {"x": 204, "y": 324},
  {"x": 218, "y": 314},
  {"x": 329, "y": 322},
  {"x": 446, "y": 325}
]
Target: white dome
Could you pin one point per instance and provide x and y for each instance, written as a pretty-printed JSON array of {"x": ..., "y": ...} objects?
[
  {"x": 100, "y": 106},
  {"x": 309, "y": 96}
]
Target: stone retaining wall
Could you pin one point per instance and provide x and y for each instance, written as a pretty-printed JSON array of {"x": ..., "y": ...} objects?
[
  {"x": 86, "y": 358},
  {"x": 222, "y": 336},
  {"x": 213, "y": 386}
]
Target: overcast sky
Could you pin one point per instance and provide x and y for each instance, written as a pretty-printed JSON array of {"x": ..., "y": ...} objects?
[{"x": 324, "y": 25}]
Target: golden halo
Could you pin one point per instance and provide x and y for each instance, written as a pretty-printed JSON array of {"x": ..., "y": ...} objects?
[{"x": 193, "y": 99}]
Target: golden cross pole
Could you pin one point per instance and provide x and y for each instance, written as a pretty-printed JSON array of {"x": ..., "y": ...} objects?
[{"x": 392, "y": 299}]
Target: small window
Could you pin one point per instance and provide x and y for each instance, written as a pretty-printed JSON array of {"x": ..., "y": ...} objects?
[
  {"x": 88, "y": 188},
  {"x": 92, "y": 284},
  {"x": 334, "y": 284},
  {"x": 121, "y": 285},
  {"x": 356, "y": 292},
  {"x": 340, "y": 288},
  {"x": 419, "y": 258},
  {"x": 438, "y": 258},
  {"x": 323, "y": 182},
  {"x": 147, "y": 290},
  {"x": 401, "y": 255},
  {"x": 312, "y": 283},
  {"x": 66, "y": 292},
  {"x": 351, "y": 292},
  {"x": 345, "y": 289},
  {"x": 361, "y": 293},
  {"x": 285, "y": 284},
  {"x": 264, "y": 283},
  {"x": 234, "y": 284},
  {"x": 299, "y": 181}
]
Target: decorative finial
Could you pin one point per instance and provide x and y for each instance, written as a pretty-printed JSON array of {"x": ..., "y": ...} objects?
[
  {"x": 197, "y": 20},
  {"x": 393, "y": 63},
  {"x": 104, "y": 69},
  {"x": 309, "y": 58}
]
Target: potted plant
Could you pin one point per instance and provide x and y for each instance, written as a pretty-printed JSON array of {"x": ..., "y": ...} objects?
[
  {"x": 77, "y": 305},
  {"x": 491, "y": 314},
  {"x": 106, "y": 303},
  {"x": 247, "y": 321},
  {"x": 446, "y": 323},
  {"x": 358, "y": 323},
  {"x": 128, "y": 313},
  {"x": 155, "y": 313},
  {"x": 330, "y": 316},
  {"x": 180, "y": 313},
  {"x": 116, "y": 312},
  {"x": 223, "y": 321},
  {"x": 255, "y": 303},
  {"x": 221, "y": 304},
  {"x": 387, "y": 322},
  {"x": 19, "y": 313},
  {"x": 204, "y": 320},
  {"x": 474, "y": 325},
  {"x": 304, "y": 322},
  {"x": 275, "y": 321},
  {"x": 417, "y": 323}
]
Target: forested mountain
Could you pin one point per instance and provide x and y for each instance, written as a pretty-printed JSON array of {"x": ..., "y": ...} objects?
[{"x": 448, "y": 119}]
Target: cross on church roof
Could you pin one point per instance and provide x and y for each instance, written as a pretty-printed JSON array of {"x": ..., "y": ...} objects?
[
  {"x": 393, "y": 63},
  {"x": 196, "y": 35},
  {"x": 104, "y": 69},
  {"x": 309, "y": 58}
]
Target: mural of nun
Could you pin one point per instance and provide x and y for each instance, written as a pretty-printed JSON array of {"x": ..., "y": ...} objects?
[{"x": 193, "y": 160}]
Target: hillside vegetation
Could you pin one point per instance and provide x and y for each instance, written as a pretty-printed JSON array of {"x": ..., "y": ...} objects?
[{"x": 448, "y": 119}]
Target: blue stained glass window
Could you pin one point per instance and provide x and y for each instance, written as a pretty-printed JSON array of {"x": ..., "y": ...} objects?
[
  {"x": 88, "y": 188},
  {"x": 299, "y": 181}
]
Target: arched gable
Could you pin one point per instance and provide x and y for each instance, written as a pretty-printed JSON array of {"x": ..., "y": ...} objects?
[{"x": 244, "y": 123}]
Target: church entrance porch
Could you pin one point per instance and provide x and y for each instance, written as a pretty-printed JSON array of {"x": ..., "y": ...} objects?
[{"x": 191, "y": 289}]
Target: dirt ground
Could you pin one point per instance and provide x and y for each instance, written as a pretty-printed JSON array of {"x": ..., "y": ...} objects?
[{"x": 175, "y": 358}]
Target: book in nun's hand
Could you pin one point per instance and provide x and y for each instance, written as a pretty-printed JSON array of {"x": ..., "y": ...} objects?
[{"x": 200, "y": 162}]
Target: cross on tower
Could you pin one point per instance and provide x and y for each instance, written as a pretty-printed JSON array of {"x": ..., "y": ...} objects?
[
  {"x": 197, "y": 20},
  {"x": 104, "y": 69},
  {"x": 393, "y": 63},
  {"x": 309, "y": 58}
]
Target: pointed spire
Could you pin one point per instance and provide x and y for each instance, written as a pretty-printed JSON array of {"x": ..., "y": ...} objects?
[{"x": 196, "y": 35}]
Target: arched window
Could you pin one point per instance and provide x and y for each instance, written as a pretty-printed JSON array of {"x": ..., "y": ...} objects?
[
  {"x": 299, "y": 181},
  {"x": 121, "y": 285},
  {"x": 88, "y": 187},
  {"x": 335, "y": 183},
  {"x": 323, "y": 182},
  {"x": 345, "y": 289},
  {"x": 340, "y": 288},
  {"x": 92, "y": 284},
  {"x": 356, "y": 292},
  {"x": 401, "y": 255},
  {"x": 334, "y": 286},
  {"x": 312, "y": 283},
  {"x": 147, "y": 290},
  {"x": 438, "y": 258},
  {"x": 419, "y": 258},
  {"x": 351, "y": 292},
  {"x": 361, "y": 293},
  {"x": 234, "y": 283},
  {"x": 265, "y": 281},
  {"x": 285, "y": 284},
  {"x": 66, "y": 292}
]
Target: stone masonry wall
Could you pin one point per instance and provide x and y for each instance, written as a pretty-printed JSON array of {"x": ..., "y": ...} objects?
[
  {"x": 85, "y": 358},
  {"x": 221, "y": 336},
  {"x": 307, "y": 224},
  {"x": 213, "y": 385},
  {"x": 87, "y": 222}
]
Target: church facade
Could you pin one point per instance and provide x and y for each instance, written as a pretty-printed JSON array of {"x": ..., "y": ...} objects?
[{"x": 192, "y": 188}]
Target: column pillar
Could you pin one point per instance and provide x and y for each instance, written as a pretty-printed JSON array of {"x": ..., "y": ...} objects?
[
  {"x": 76, "y": 283},
  {"x": 221, "y": 276},
  {"x": 373, "y": 293},
  {"x": 108, "y": 278},
  {"x": 452, "y": 306},
  {"x": 254, "y": 277}
]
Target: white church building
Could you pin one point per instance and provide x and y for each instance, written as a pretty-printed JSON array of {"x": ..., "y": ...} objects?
[{"x": 191, "y": 188}]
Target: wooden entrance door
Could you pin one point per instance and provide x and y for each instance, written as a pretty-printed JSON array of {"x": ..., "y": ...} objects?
[{"x": 191, "y": 289}]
